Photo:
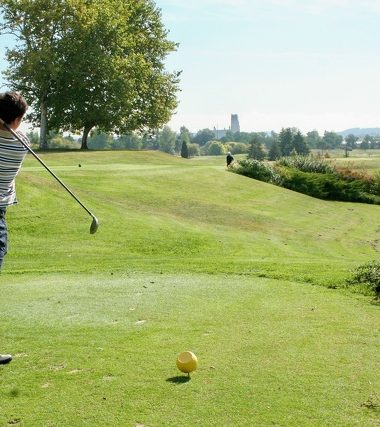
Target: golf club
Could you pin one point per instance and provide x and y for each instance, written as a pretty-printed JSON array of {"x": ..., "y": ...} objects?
[{"x": 95, "y": 223}]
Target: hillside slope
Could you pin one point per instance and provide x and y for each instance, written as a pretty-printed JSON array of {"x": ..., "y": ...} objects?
[{"x": 162, "y": 213}]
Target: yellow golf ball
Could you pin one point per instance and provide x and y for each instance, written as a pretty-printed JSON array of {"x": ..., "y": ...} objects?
[{"x": 187, "y": 362}]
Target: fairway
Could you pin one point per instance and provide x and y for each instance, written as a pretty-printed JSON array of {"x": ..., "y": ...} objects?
[
  {"x": 101, "y": 350},
  {"x": 188, "y": 256}
]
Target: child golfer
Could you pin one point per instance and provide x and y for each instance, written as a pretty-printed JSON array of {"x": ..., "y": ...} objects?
[{"x": 12, "y": 109}]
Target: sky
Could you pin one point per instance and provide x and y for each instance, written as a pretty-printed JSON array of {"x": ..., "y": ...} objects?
[{"x": 310, "y": 64}]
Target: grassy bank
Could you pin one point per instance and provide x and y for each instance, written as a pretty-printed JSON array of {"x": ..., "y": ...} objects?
[{"x": 158, "y": 213}]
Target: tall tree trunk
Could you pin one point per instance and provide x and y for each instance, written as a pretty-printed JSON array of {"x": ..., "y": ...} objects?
[
  {"x": 86, "y": 131},
  {"x": 43, "y": 127}
]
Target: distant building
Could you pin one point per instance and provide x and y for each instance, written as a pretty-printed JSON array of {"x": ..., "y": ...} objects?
[
  {"x": 235, "y": 126},
  {"x": 219, "y": 133}
]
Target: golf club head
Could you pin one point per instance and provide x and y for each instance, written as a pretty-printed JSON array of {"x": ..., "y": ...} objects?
[{"x": 94, "y": 225}]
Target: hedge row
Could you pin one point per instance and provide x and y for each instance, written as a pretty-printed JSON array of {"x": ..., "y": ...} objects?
[{"x": 315, "y": 178}]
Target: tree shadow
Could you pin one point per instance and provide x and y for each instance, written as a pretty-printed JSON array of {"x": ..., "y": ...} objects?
[{"x": 179, "y": 379}]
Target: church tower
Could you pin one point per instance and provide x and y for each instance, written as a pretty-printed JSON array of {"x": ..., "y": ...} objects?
[{"x": 235, "y": 127}]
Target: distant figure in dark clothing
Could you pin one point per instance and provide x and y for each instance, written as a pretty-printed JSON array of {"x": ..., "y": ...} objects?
[{"x": 230, "y": 159}]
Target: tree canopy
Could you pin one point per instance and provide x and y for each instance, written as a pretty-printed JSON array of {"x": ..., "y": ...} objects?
[{"x": 92, "y": 63}]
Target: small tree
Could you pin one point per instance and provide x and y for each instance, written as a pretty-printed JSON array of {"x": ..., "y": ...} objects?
[
  {"x": 184, "y": 136},
  {"x": 330, "y": 140},
  {"x": 193, "y": 150},
  {"x": 166, "y": 140},
  {"x": 300, "y": 144},
  {"x": 274, "y": 151},
  {"x": 351, "y": 140},
  {"x": 313, "y": 139},
  {"x": 256, "y": 150},
  {"x": 286, "y": 141},
  {"x": 213, "y": 148},
  {"x": 184, "y": 150},
  {"x": 203, "y": 136},
  {"x": 99, "y": 140}
]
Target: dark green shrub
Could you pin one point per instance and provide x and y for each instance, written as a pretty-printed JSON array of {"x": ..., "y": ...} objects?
[
  {"x": 311, "y": 184},
  {"x": 184, "y": 150},
  {"x": 368, "y": 275},
  {"x": 327, "y": 186},
  {"x": 376, "y": 184}
]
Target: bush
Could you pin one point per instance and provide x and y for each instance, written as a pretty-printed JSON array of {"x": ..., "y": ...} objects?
[
  {"x": 193, "y": 150},
  {"x": 367, "y": 275},
  {"x": 314, "y": 177},
  {"x": 58, "y": 142},
  {"x": 307, "y": 164},
  {"x": 376, "y": 184},
  {"x": 237, "y": 147},
  {"x": 213, "y": 148},
  {"x": 327, "y": 186},
  {"x": 352, "y": 175},
  {"x": 255, "y": 169}
]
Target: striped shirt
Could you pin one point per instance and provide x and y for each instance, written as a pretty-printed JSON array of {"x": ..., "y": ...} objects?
[{"x": 12, "y": 154}]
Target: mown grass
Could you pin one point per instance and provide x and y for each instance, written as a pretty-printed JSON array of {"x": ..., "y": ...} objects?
[
  {"x": 100, "y": 350},
  {"x": 181, "y": 216},
  {"x": 187, "y": 256}
]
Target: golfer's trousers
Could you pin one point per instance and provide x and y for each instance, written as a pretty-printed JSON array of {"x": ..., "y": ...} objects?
[{"x": 3, "y": 236}]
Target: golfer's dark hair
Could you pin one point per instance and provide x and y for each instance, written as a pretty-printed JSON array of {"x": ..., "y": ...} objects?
[{"x": 12, "y": 106}]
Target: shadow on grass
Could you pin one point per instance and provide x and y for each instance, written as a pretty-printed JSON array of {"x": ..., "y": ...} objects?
[{"x": 179, "y": 379}]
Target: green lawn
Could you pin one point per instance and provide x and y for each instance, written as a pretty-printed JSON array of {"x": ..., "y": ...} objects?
[
  {"x": 368, "y": 160},
  {"x": 187, "y": 257},
  {"x": 100, "y": 350}
]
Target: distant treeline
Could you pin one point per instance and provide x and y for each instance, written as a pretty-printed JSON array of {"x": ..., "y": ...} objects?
[{"x": 257, "y": 145}]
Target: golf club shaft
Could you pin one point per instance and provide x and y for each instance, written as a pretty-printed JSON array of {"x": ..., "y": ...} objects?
[{"x": 46, "y": 167}]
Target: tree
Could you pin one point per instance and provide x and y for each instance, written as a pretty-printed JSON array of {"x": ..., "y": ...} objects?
[
  {"x": 300, "y": 145},
  {"x": 100, "y": 140},
  {"x": 33, "y": 138},
  {"x": 166, "y": 140},
  {"x": 130, "y": 142},
  {"x": 368, "y": 142},
  {"x": 313, "y": 139},
  {"x": 33, "y": 62},
  {"x": 184, "y": 136},
  {"x": 184, "y": 150},
  {"x": 256, "y": 150},
  {"x": 274, "y": 151},
  {"x": 237, "y": 147},
  {"x": 351, "y": 140},
  {"x": 331, "y": 140},
  {"x": 193, "y": 150},
  {"x": 120, "y": 84},
  {"x": 203, "y": 136},
  {"x": 322, "y": 144},
  {"x": 365, "y": 144},
  {"x": 213, "y": 148},
  {"x": 286, "y": 141},
  {"x": 104, "y": 61},
  {"x": 61, "y": 143}
]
